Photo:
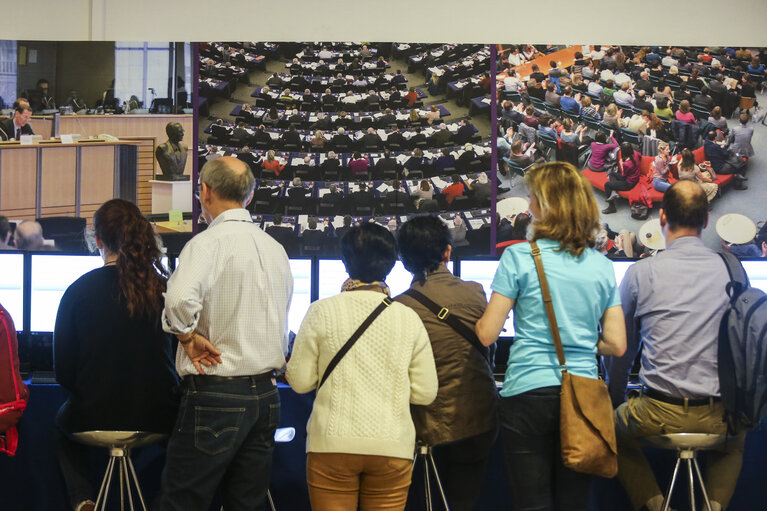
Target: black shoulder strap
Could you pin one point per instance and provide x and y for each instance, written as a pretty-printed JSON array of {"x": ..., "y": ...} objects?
[
  {"x": 738, "y": 277},
  {"x": 443, "y": 314},
  {"x": 355, "y": 336}
]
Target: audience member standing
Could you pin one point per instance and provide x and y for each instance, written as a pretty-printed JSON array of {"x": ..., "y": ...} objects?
[
  {"x": 461, "y": 422},
  {"x": 361, "y": 435},
  {"x": 584, "y": 294},
  {"x": 227, "y": 302}
]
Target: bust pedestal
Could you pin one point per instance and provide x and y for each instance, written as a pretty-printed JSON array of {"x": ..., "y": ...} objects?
[{"x": 171, "y": 195}]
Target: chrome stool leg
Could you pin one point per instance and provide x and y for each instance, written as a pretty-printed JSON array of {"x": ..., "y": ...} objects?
[
  {"x": 138, "y": 487},
  {"x": 271, "y": 501},
  {"x": 702, "y": 485},
  {"x": 105, "y": 483},
  {"x": 424, "y": 452},
  {"x": 667, "y": 498}
]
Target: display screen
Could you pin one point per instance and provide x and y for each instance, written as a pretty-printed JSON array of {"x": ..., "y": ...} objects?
[
  {"x": 12, "y": 286},
  {"x": 302, "y": 289},
  {"x": 51, "y": 276},
  {"x": 757, "y": 273},
  {"x": 333, "y": 274},
  {"x": 483, "y": 273}
]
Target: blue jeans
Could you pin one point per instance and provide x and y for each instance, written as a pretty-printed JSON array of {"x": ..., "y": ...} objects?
[
  {"x": 533, "y": 454},
  {"x": 224, "y": 437},
  {"x": 660, "y": 184}
]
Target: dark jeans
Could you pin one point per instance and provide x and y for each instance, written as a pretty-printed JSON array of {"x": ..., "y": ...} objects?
[
  {"x": 224, "y": 437},
  {"x": 462, "y": 466},
  {"x": 618, "y": 183},
  {"x": 537, "y": 476},
  {"x": 73, "y": 460}
]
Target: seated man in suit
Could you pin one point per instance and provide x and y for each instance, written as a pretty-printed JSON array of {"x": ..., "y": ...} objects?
[
  {"x": 343, "y": 120},
  {"x": 322, "y": 123},
  {"x": 398, "y": 78},
  {"x": 240, "y": 133},
  {"x": 313, "y": 238},
  {"x": 332, "y": 198},
  {"x": 396, "y": 197},
  {"x": 445, "y": 163},
  {"x": 331, "y": 166},
  {"x": 291, "y": 140},
  {"x": 14, "y": 127},
  {"x": 217, "y": 129},
  {"x": 395, "y": 97},
  {"x": 275, "y": 81},
  {"x": 418, "y": 140},
  {"x": 297, "y": 192},
  {"x": 329, "y": 99},
  {"x": 463, "y": 164},
  {"x": 261, "y": 137},
  {"x": 285, "y": 235},
  {"x": 308, "y": 100},
  {"x": 551, "y": 95},
  {"x": 465, "y": 132},
  {"x": 341, "y": 141},
  {"x": 371, "y": 141},
  {"x": 371, "y": 101},
  {"x": 441, "y": 137},
  {"x": 295, "y": 118},
  {"x": 387, "y": 163},
  {"x": 395, "y": 138},
  {"x": 363, "y": 197},
  {"x": 253, "y": 161},
  {"x": 640, "y": 101},
  {"x": 387, "y": 119},
  {"x": 308, "y": 169}
]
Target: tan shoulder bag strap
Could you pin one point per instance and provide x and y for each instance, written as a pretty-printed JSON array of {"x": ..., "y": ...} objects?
[{"x": 536, "y": 252}]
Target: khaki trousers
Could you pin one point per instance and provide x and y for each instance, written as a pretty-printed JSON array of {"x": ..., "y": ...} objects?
[
  {"x": 338, "y": 480},
  {"x": 642, "y": 416}
]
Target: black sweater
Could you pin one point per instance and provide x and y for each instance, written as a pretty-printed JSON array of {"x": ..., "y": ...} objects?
[{"x": 118, "y": 370}]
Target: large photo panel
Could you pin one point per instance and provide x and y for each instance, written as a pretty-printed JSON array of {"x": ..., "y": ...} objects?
[
  {"x": 635, "y": 119},
  {"x": 338, "y": 133}
]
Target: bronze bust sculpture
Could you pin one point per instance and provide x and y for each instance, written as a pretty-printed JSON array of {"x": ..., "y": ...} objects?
[{"x": 172, "y": 154}]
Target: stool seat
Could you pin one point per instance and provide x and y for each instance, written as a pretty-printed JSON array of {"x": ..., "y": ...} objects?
[
  {"x": 686, "y": 446},
  {"x": 686, "y": 441},
  {"x": 119, "y": 439},
  {"x": 119, "y": 444}
]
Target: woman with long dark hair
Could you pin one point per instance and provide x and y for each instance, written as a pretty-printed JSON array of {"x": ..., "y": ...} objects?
[{"x": 110, "y": 352}]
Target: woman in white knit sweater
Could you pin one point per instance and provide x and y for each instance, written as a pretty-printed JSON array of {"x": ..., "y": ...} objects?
[{"x": 361, "y": 436}]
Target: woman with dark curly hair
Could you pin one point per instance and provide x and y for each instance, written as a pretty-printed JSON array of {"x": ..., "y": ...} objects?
[{"x": 110, "y": 352}]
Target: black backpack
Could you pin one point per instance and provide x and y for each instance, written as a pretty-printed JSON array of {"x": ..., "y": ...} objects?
[{"x": 743, "y": 351}]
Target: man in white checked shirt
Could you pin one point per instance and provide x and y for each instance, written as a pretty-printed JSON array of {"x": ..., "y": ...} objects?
[{"x": 227, "y": 302}]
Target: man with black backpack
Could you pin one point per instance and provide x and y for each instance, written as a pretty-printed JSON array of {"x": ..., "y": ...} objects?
[{"x": 673, "y": 304}]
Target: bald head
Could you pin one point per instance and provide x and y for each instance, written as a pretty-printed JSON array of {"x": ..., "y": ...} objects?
[
  {"x": 28, "y": 235},
  {"x": 229, "y": 178},
  {"x": 685, "y": 207}
]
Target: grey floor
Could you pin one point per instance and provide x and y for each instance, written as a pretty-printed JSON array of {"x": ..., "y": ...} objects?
[{"x": 751, "y": 202}]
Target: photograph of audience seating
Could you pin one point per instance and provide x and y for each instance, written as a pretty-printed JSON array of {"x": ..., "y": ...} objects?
[
  {"x": 339, "y": 133},
  {"x": 635, "y": 119}
]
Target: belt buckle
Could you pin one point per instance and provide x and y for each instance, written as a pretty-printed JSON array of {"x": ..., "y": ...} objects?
[{"x": 442, "y": 314}]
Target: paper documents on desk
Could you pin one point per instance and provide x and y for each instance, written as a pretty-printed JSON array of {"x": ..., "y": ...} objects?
[{"x": 476, "y": 223}]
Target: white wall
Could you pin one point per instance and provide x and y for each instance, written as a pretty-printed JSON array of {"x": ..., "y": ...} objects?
[{"x": 683, "y": 22}]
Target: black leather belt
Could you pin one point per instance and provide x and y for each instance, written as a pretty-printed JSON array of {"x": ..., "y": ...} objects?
[
  {"x": 198, "y": 380},
  {"x": 679, "y": 401}
]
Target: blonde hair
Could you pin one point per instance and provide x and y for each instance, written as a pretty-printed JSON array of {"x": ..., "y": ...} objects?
[
  {"x": 612, "y": 109},
  {"x": 569, "y": 213}
]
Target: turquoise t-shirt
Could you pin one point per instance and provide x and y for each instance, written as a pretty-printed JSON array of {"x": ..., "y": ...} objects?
[{"x": 581, "y": 289}]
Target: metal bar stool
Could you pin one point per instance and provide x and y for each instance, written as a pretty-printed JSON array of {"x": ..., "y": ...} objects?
[
  {"x": 281, "y": 435},
  {"x": 423, "y": 452},
  {"x": 119, "y": 444},
  {"x": 686, "y": 446}
]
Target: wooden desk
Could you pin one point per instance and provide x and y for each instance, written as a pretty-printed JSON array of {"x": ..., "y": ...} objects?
[
  {"x": 184, "y": 226},
  {"x": 55, "y": 179}
]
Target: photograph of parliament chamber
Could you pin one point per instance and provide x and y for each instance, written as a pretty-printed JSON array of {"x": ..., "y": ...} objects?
[
  {"x": 100, "y": 116},
  {"x": 636, "y": 119},
  {"x": 339, "y": 133}
]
